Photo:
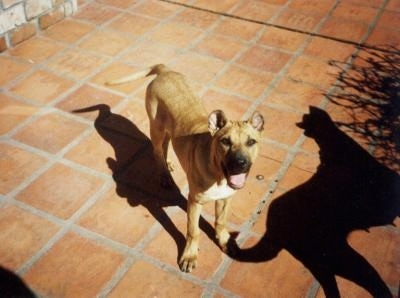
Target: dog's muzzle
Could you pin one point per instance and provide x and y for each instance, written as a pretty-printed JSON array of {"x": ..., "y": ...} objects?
[{"x": 236, "y": 168}]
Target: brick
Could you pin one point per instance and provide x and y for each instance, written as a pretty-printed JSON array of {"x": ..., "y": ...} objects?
[
  {"x": 22, "y": 33},
  {"x": 34, "y": 8},
  {"x": 3, "y": 44},
  {"x": 9, "y": 3},
  {"x": 11, "y": 18},
  {"x": 58, "y": 2},
  {"x": 51, "y": 18},
  {"x": 69, "y": 9}
]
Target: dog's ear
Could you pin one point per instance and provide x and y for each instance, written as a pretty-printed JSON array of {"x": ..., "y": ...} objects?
[
  {"x": 216, "y": 120},
  {"x": 257, "y": 121}
]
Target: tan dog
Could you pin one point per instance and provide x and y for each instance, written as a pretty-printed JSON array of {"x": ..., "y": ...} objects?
[{"x": 215, "y": 153}]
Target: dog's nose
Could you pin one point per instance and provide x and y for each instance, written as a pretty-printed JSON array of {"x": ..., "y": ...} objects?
[{"x": 241, "y": 163}]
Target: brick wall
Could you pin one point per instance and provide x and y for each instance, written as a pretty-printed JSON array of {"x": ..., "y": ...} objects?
[{"x": 21, "y": 19}]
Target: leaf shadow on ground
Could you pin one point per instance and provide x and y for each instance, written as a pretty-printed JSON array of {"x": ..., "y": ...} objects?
[
  {"x": 351, "y": 189},
  {"x": 368, "y": 91}
]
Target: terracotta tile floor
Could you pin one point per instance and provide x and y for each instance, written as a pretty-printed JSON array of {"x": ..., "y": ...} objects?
[{"x": 81, "y": 213}]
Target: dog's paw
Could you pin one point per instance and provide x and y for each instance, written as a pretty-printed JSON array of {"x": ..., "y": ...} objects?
[
  {"x": 227, "y": 243},
  {"x": 187, "y": 264}
]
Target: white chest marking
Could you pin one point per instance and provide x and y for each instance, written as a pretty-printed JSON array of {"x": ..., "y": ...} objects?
[{"x": 218, "y": 191}]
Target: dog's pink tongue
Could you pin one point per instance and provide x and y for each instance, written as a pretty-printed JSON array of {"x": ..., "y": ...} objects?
[{"x": 237, "y": 180}]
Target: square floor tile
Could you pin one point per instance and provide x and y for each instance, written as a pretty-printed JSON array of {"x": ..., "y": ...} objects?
[
  {"x": 42, "y": 86},
  {"x": 370, "y": 3},
  {"x": 256, "y": 10},
  {"x": 305, "y": 68},
  {"x": 384, "y": 37},
  {"x": 176, "y": 34},
  {"x": 330, "y": 50},
  {"x": 392, "y": 5},
  {"x": 155, "y": 9},
  {"x": 60, "y": 191},
  {"x": 280, "y": 124},
  {"x": 264, "y": 59},
  {"x": 339, "y": 28},
  {"x": 51, "y": 132},
  {"x": 106, "y": 42},
  {"x": 355, "y": 12},
  {"x": 73, "y": 267},
  {"x": 95, "y": 12},
  {"x": 295, "y": 95},
  {"x": 298, "y": 20},
  {"x": 132, "y": 24},
  {"x": 117, "y": 218},
  {"x": 282, "y": 39},
  {"x": 234, "y": 107},
  {"x": 389, "y": 19},
  {"x": 22, "y": 235},
  {"x": 10, "y": 70},
  {"x": 93, "y": 153},
  {"x": 150, "y": 52},
  {"x": 88, "y": 96},
  {"x": 203, "y": 68},
  {"x": 17, "y": 165},
  {"x": 219, "y": 46},
  {"x": 250, "y": 83},
  {"x": 13, "y": 113},
  {"x": 145, "y": 280},
  {"x": 196, "y": 18},
  {"x": 76, "y": 64},
  {"x": 238, "y": 28},
  {"x": 219, "y": 6},
  {"x": 312, "y": 6},
  {"x": 36, "y": 49},
  {"x": 118, "y": 3},
  {"x": 265, "y": 279},
  {"x": 68, "y": 30}
]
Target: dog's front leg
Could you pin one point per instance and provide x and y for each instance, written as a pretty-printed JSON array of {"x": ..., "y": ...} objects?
[
  {"x": 188, "y": 260},
  {"x": 222, "y": 208}
]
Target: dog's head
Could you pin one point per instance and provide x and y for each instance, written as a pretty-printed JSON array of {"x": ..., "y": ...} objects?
[{"x": 235, "y": 145}]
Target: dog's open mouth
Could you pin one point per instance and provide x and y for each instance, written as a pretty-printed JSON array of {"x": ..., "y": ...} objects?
[{"x": 237, "y": 181}]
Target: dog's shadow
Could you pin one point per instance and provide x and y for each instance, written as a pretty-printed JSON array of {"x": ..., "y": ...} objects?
[
  {"x": 349, "y": 191},
  {"x": 135, "y": 174}
]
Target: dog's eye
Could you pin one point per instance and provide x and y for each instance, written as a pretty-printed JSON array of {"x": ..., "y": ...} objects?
[
  {"x": 250, "y": 142},
  {"x": 225, "y": 141}
]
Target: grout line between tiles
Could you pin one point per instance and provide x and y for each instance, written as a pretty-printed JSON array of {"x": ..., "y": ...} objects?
[
  {"x": 268, "y": 24},
  {"x": 65, "y": 228}
]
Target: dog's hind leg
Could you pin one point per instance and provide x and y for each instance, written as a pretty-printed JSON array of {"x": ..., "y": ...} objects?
[{"x": 160, "y": 139}]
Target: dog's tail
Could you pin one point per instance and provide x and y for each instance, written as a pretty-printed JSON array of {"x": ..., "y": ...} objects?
[{"x": 154, "y": 70}]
